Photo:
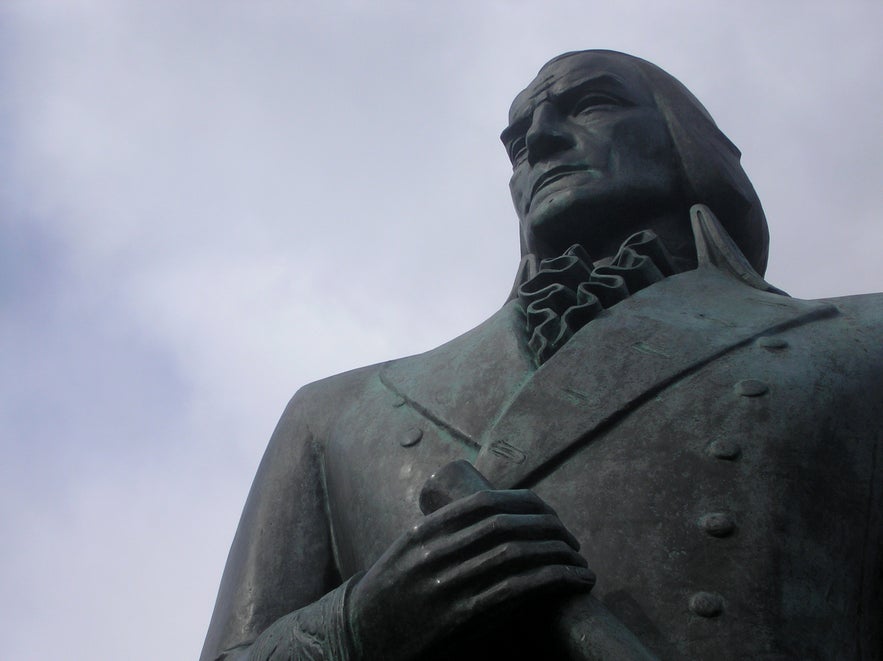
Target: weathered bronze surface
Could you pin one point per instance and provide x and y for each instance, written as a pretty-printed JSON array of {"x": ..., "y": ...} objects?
[{"x": 667, "y": 457}]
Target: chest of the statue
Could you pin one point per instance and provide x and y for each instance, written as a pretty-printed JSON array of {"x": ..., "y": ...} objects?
[{"x": 736, "y": 502}]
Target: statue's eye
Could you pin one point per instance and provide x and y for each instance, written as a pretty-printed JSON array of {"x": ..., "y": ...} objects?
[
  {"x": 595, "y": 101},
  {"x": 517, "y": 149}
]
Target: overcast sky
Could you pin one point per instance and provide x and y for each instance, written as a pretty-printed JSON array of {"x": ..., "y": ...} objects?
[{"x": 205, "y": 205}]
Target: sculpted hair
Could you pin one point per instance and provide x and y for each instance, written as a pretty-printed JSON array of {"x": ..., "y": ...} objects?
[{"x": 711, "y": 170}]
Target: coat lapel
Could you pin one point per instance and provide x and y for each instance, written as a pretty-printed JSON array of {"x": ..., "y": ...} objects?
[
  {"x": 462, "y": 385},
  {"x": 624, "y": 357}
]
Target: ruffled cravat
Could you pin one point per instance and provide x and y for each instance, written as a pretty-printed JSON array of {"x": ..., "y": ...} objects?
[{"x": 567, "y": 292}]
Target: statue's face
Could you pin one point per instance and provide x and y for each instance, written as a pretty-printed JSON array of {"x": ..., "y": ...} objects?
[{"x": 591, "y": 155}]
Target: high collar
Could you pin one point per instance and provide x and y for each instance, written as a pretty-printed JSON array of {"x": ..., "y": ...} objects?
[
  {"x": 714, "y": 247},
  {"x": 569, "y": 291}
]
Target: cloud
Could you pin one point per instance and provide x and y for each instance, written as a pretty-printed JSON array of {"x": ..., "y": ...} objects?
[{"x": 207, "y": 205}]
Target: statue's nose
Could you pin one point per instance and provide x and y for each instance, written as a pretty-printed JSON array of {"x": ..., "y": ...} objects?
[{"x": 547, "y": 134}]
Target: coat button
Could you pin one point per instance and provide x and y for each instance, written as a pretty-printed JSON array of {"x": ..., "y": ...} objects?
[
  {"x": 751, "y": 388},
  {"x": 724, "y": 449},
  {"x": 772, "y": 343},
  {"x": 717, "y": 524},
  {"x": 411, "y": 437},
  {"x": 706, "y": 604}
]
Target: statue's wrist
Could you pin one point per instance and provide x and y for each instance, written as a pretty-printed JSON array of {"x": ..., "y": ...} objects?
[{"x": 352, "y": 638}]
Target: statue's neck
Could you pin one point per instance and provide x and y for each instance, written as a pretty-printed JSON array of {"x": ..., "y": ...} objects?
[{"x": 601, "y": 238}]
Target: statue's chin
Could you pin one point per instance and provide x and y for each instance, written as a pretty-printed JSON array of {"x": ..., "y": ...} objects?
[
  {"x": 599, "y": 220},
  {"x": 562, "y": 218}
]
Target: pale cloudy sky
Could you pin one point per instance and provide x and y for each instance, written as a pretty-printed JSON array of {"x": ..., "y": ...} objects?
[{"x": 205, "y": 205}]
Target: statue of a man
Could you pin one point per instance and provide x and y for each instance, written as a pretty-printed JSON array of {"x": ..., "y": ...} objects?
[{"x": 649, "y": 412}]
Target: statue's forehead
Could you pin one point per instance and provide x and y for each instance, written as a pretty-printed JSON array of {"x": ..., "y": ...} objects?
[{"x": 561, "y": 75}]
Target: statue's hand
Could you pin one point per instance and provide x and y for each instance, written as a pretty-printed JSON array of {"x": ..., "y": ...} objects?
[{"x": 470, "y": 560}]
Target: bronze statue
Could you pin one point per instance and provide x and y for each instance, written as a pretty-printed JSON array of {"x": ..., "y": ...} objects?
[{"x": 674, "y": 458}]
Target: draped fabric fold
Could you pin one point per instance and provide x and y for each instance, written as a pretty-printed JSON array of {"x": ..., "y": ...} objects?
[{"x": 567, "y": 291}]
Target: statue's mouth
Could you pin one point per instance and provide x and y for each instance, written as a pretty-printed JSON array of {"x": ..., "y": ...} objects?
[{"x": 553, "y": 175}]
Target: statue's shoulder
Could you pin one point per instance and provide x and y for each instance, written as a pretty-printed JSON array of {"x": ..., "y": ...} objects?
[
  {"x": 497, "y": 338},
  {"x": 456, "y": 382},
  {"x": 858, "y": 322},
  {"x": 865, "y": 309},
  {"x": 854, "y": 333},
  {"x": 351, "y": 385},
  {"x": 321, "y": 398}
]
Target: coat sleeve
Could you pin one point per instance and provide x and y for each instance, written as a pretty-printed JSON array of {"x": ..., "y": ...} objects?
[{"x": 281, "y": 595}]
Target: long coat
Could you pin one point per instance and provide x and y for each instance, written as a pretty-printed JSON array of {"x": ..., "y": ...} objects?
[{"x": 715, "y": 448}]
